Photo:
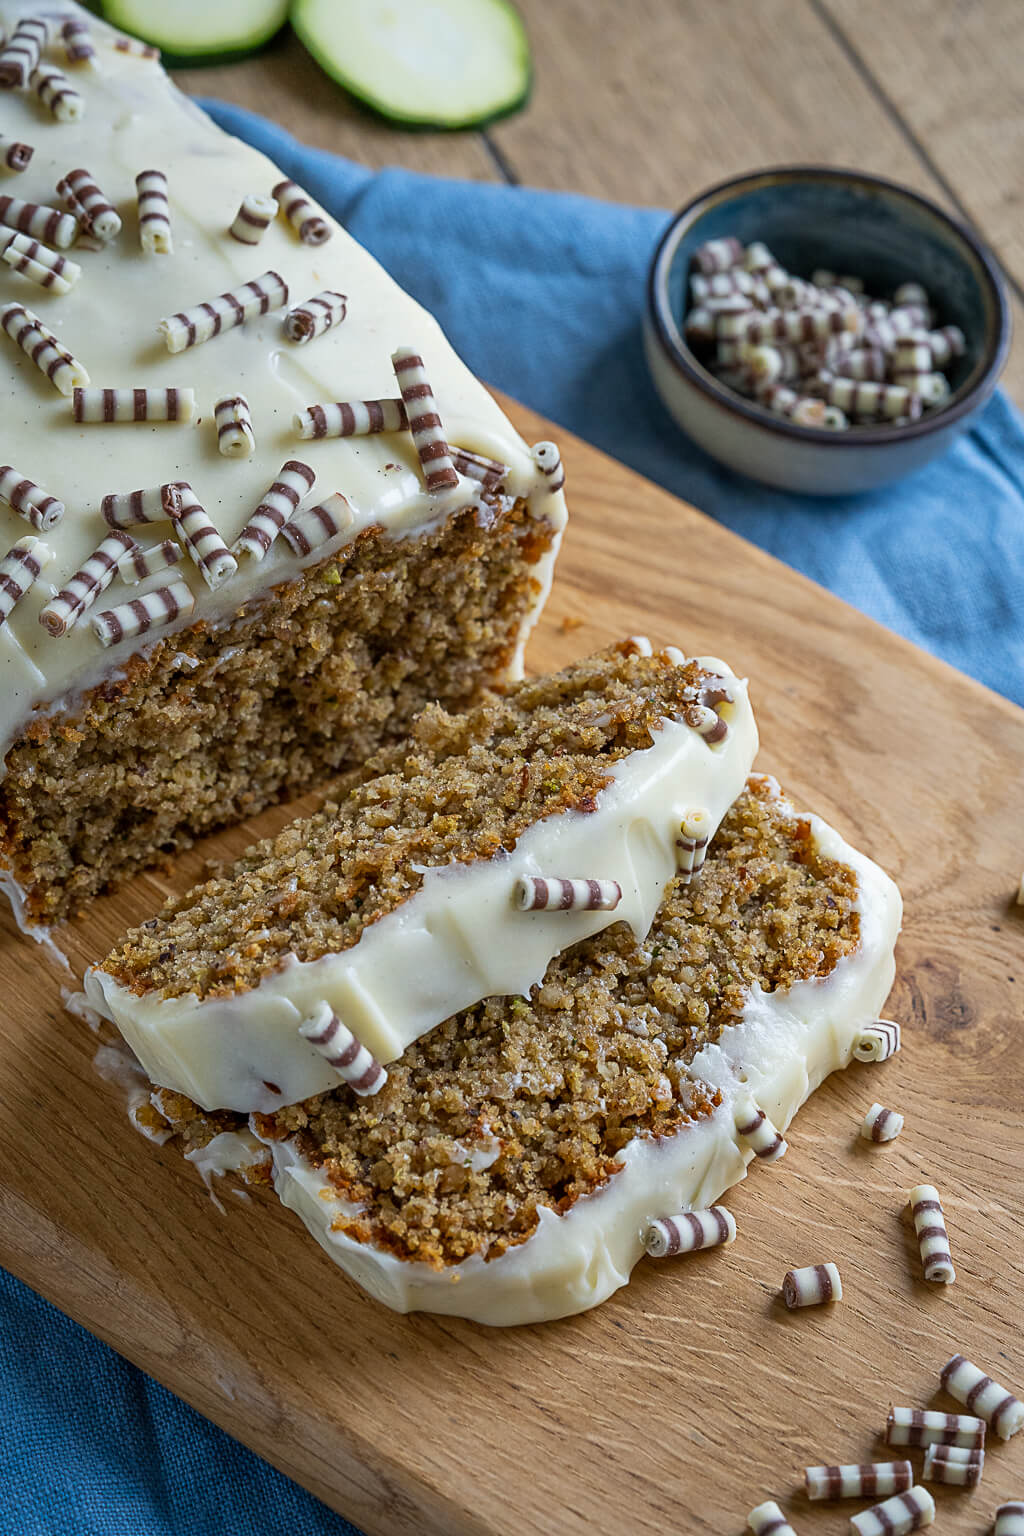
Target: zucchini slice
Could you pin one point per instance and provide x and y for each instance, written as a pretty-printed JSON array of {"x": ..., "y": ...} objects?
[
  {"x": 199, "y": 31},
  {"x": 432, "y": 64}
]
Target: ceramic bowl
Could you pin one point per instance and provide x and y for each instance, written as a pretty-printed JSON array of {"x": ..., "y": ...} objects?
[{"x": 812, "y": 216}]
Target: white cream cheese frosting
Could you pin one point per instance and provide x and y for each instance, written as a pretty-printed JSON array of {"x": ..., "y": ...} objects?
[
  {"x": 782, "y": 1048},
  {"x": 134, "y": 120},
  {"x": 454, "y": 941}
]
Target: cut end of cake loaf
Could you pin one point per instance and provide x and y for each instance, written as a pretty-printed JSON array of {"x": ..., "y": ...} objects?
[
  {"x": 243, "y": 585},
  {"x": 461, "y": 790},
  {"x": 302, "y": 682},
  {"x": 524, "y": 1105}
]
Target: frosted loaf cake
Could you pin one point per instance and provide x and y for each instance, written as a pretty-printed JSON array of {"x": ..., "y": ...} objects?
[
  {"x": 510, "y": 1168},
  {"x": 252, "y": 661},
  {"x": 453, "y": 870}
]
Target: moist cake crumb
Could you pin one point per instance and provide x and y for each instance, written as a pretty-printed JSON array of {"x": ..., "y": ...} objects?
[{"x": 522, "y": 1102}]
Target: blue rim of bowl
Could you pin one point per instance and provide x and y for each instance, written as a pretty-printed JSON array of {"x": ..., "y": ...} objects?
[{"x": 964, "y": 400}]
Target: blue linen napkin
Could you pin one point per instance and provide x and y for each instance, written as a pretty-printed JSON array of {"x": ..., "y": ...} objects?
[{"x": 541, "y": 293}]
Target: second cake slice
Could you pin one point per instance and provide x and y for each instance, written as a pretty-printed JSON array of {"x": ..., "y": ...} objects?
[{"x": 453, "y": 869}]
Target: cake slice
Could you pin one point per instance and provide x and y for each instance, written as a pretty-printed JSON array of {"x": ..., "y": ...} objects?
[
  {"x": 155, "y": 433},
  {"x": 511, "y": 1168},
  {"x": 453, "y": 869}
]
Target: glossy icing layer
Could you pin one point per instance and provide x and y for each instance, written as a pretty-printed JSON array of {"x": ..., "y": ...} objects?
[
  {"x": 135, "y": 119},
  {"x": 456, "y": 940},
  {"x": 781, "y": 1050}
]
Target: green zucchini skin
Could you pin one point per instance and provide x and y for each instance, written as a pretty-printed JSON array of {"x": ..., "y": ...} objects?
[
  {"x": 149, "y": 20},
  {"x": 304, "y": 22}
]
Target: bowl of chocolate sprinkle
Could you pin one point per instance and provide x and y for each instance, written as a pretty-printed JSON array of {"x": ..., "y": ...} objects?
[{"x": 823, "y": 330}]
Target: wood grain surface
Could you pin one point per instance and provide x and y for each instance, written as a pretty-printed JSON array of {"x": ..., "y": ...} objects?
[
  {"x": 654, "y": 101},
  {"x": 953, "y": 74},
  {"x": 692, "y": 1395}
]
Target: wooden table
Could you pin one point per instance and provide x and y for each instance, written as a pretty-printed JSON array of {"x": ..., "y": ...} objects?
[
  {"x": 652, "y": 101},
  {"x": 646, "y": 102},
  {"x": 694, "y": 1384}
]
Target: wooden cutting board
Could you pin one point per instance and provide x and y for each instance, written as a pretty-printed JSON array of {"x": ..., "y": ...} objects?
[{"x": 692, "y": 1395}]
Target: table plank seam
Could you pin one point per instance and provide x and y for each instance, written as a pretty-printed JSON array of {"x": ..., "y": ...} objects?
[
  {"x": 502, "y": 163},
  {"x": 899, "y": 122}
]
